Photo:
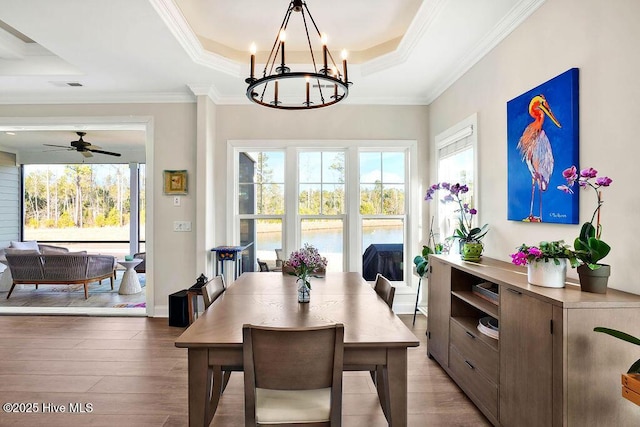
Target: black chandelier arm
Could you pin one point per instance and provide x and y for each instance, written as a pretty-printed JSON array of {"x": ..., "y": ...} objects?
[
  {"x": 313, "y": 57},
  {"x": 312, "y": 20},
  {"x": 276, "y": 46}
]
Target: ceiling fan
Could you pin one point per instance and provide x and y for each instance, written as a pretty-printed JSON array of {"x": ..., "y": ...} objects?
[{"x": 84, "y": 147}]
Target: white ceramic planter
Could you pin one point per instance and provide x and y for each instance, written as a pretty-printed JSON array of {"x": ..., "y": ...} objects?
[{"x": 547, "y": 274}]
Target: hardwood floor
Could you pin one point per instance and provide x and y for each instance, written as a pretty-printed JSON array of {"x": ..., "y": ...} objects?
[{"x": 132, "y": 375}]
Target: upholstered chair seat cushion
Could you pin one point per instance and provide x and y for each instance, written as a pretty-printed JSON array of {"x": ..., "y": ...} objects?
[{"x": 292, "y": 406}]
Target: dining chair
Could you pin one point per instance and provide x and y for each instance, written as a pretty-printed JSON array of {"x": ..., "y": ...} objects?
[
  {"x": 293, "y": 376},
  {"x": 212, "y": 290},
  {"x": 384, "y": 289},
  {"x": 378, "y": 373},
  {"x": 262, "y": 265},
  {"x": 279, "y": 259}
]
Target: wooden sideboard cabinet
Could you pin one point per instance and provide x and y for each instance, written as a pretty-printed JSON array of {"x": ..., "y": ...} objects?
[{"x": 548, "y": 367}]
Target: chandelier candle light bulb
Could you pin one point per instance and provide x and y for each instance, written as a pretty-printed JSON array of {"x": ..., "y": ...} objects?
[
  {"x": 283, "y": 37},
  {"x": 252, "y": 50},
  {"x": 307, "y": 91},
  {"x": 344, "y": 65},
  {"x": 324, "y": 52},
  {"x": 275, "y": 101}
]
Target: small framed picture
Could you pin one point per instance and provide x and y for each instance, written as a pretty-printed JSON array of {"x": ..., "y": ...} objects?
[{"x": 175, "y": 182}]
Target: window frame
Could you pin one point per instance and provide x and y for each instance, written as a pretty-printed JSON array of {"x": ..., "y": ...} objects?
[
  {"x": 466, "y": 131},
  {"x": 352, "y": 218}
]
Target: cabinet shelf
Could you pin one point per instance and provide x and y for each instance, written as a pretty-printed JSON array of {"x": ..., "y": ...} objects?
[{"x": 477, "y": 302}]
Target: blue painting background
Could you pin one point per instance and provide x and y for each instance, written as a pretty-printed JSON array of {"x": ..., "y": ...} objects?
[{"x": 561, "y": 93}]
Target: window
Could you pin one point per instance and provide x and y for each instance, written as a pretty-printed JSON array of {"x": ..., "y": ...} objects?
[
  {"x": 260, "y": 205},
  {"x": 321, "y": 202},
  {"x": 342, "y": 199},
  {"x": 382, "y": 207},
  {"x": 455, "y": 155}
]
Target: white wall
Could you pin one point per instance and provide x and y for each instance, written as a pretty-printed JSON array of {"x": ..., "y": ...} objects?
[
  {"x": 173, "y": 263},
  {"x": 601, "y": 39}
]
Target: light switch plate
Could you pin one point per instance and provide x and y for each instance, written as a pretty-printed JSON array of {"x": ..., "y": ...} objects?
[{"x": 181, "y": 225}]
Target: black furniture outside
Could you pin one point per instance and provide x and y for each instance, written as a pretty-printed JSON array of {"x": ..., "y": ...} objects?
[{"x": 383, "y": 258}]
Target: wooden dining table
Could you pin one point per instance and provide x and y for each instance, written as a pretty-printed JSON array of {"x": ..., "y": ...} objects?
[{"x": 373, "y": 334}]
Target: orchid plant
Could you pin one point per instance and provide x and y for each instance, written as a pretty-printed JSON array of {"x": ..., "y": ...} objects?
[
  {"x": 465, "y": 232},
  {"x": 544, "y": 252},
  {"x": 306, "y": 261},
  {"x": 589, "y": 248}
]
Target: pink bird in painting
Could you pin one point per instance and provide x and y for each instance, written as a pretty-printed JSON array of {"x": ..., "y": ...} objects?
[{"x": 536, "y": 151}]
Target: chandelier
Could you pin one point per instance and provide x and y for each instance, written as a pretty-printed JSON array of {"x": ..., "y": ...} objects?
[{"x": 280, "y": 87}]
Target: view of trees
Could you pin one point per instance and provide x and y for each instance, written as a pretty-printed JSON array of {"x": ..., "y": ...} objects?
[
  {"x": 78, "y": 195},
  {"x": 320, "y": 193},
  {"x": 379, "y": 199}
]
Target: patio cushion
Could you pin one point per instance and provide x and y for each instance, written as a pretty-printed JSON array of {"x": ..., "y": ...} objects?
[{"x": 27, "y": 245}]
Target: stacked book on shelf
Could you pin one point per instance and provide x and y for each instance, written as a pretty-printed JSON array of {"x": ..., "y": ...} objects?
[
  {"x": 489, "y": 326},
  {"x": 487, "y": 291}
]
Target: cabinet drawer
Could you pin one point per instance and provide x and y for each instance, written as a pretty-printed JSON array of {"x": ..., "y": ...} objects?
[
  {"x": 471, "y": 348},
  {"x": 479, "y": 388}
]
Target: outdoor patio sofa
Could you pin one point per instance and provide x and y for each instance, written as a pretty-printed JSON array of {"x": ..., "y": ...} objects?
[{"x": 63, "y": 268}]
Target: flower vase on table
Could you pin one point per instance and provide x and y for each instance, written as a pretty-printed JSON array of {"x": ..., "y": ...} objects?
[
  {"x": 304, "y": 263},
  {"x": 304, "y": 289}
]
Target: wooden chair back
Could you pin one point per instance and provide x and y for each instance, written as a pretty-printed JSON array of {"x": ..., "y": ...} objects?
[
  {"x": 212, "y": 290},
  {"x": 293, "y": 359},
  {"x": 384, "y": 289}
]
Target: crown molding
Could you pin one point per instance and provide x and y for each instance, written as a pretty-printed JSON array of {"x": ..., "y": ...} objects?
[
  {"x": 177, "y": 24},
  {"x": 207, "y": 90},
  {"x": 426, "y": 14},
  {"x": 510, "y": 22},
  {"x": 98, "y": 98}
]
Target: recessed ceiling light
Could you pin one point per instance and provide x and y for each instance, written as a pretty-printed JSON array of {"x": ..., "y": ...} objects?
[{"x": 10, "y": 133}]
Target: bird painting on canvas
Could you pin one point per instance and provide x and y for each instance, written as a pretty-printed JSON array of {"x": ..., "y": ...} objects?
[
  {"x": 536, "y": 151},
  {"x": 543, "y": 137}
]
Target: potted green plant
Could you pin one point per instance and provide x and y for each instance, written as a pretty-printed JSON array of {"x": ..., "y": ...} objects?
[
  {"x": 635, "y": 368},
  {"x": 470, "y": 237},
  {"x": 546, "y": 263},
  {"x": 589, "y": 248},
  {"x": 421, "y": 261}
]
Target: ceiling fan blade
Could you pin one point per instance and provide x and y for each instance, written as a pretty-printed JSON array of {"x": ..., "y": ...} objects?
[
  {"x": 86, "y": 153},
  {"x": 104, "y": 152},
  {"x": 59, "y": 146},
  {"x": 92, "y": 147}
]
